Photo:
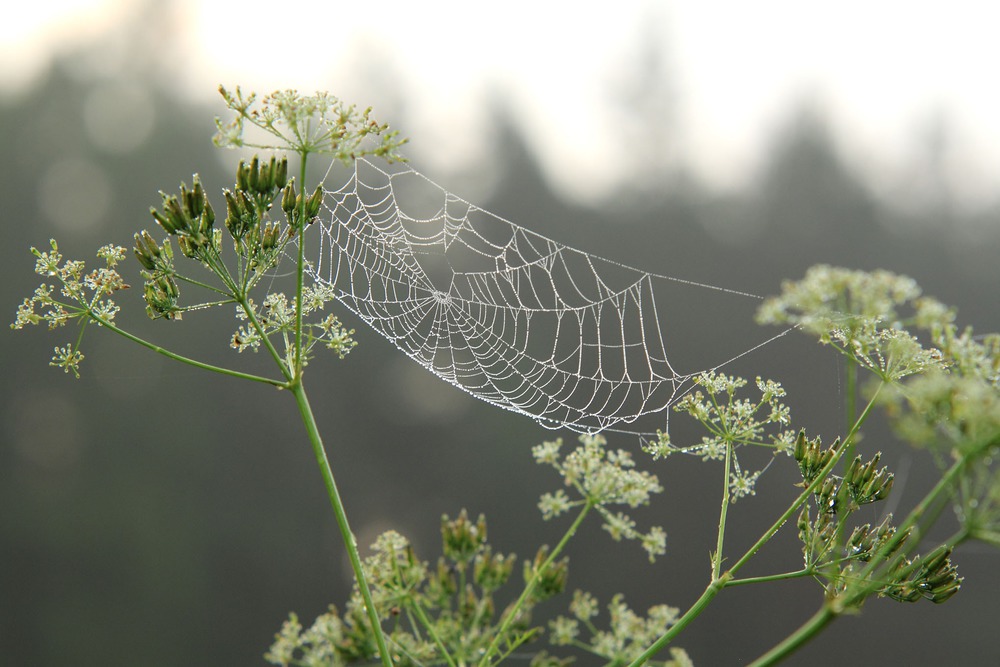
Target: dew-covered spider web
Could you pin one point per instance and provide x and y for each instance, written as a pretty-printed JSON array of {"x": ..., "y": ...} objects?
[{"x": 509, "y": 316}]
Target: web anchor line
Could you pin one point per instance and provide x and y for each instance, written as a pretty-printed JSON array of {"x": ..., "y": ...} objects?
[{"x": 513, "y": 318}]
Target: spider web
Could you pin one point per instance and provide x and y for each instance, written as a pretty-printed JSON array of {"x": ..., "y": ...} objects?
[{"x": 509, "y": 316}]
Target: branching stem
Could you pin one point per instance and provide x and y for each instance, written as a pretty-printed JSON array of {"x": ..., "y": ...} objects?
[
  {"x": 514, "y": 611},
  {"x": 722, "y": 581}
]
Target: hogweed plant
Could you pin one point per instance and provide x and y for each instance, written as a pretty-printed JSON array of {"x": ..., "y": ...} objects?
[{"x": 937, "y": 384}]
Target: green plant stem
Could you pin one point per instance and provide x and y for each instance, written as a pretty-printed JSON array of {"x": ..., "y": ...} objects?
[
  {"x": 338, "y": 510},
  {"x": 244, "y": 303},
  {"x": 722, "y": 581},
  {"x": 988, "y": 536},
  {"x": 714, "y": 588},
  {"x": 845, "y": 445},
  {"x": 717, "y": 557},
  {"x": 186, "y": 360},
  {"x": 903, "y": 531},
  {"x": 206, "y": 305},
  {"x": 794, "y": 641},
  {"x": 513, "y": 612},
  {"x": 198, "y": 283},
  {"x": 429, "y": 626},
  {"x": 834, "y": 607},
  {"x": 295, "y": 385},
  {"x": 718, "y": 583},
  {"x": 784, "y": 576}
]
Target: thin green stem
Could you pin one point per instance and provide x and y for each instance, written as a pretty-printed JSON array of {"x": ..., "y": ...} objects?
[
  {"x": 198, "y": 283},
  {"x": 83, "y": 327},
  {"x": 933, "y": 497},
  {"x": 338, "y": 510},
  {"x": 717, "y": 557},
  {"x": 206, "y": 305},
  {"x": 186, "y": 360},
  {"x": 244, "y": 302},
  {"x": 811, "y": 488},
  {"x": 718, "y": 583},
  {"x": 695, "y": 610},
  {"x": 834, "y": 607},
  {"x": 988, "y": 536},
  {"x": 214, "y": 262},
  {"x": 514, "y": 611},
  {"x": 794, "y": 641},
  {"x": 784, "y": 576},
  {"x": 429, "y": 626},
  {"x": 722, "y": 581}
]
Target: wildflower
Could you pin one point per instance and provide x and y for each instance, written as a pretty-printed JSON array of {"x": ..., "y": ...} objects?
[
  {"x": 742, "y": 483},
  {"x": 554, "y": 504},
  {"x": 81, "y": 296},
  {"x": 563, "y": 631},
  {"x": 583, "y": 606},
  {"x": 318, "y": 123},
  {"x": 603, "y": 478}
]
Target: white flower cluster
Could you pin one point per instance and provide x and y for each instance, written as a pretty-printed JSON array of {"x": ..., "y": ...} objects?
[{"x": 602, "y": 478}]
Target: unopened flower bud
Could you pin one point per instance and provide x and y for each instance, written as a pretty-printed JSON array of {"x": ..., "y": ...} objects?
[
  {"x": 853, "y": 472},
  {"x": 281, "y": 174},
  {"x": 253, "y": 174},
  {"x": 315, "y": 201},
  {"x": 163, "y": 221},
  {"x": 288, "y": 199},
  {"x": 207, "y": 218},
  {"x": 178, "y": 216},
  {"x": 803, "y": 523},
  {"x": 187, "y": 246},
  {"x": 269, "y": 236},
  {"x": 935, "y": 559},
  {"x": 446, "y": 577},
  {"x": 826, "y": 496},
  {"x": 460, "y": 538},
  {"x": 800, "y": 446},
  {"x": 490, "y": 571},
  {"x": 198, "y": 197},
  {"x": 265, "y": 181},
  {"x": 242, "y": 176},
  {"x": 943, "y": 593},
  {"x": 142, "y": 254},
  {"x": 468, "y": 604}
]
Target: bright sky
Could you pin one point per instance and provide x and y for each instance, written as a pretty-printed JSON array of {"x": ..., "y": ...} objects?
[{"x": 883, "y": 71}]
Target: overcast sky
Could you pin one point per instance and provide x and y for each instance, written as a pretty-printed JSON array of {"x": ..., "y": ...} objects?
[{"x": 885, "y": 73}]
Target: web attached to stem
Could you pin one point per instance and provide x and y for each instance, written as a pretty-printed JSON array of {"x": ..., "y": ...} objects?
[{"x": 512, "y": 317}]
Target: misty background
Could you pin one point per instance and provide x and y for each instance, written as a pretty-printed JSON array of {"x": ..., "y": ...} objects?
[{"x": 154, "y": 514}]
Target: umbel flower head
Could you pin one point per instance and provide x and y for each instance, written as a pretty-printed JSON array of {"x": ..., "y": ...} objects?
[
  {"x": 81, "y": 295},
  {"x": 731, "y": 422},
  {"x": 862, "y": 314},
  {"x": 602, "y": 478},
  {"x": 317, "y": 123}
]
